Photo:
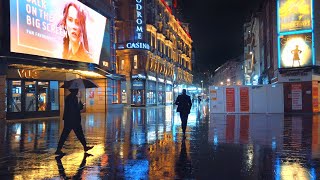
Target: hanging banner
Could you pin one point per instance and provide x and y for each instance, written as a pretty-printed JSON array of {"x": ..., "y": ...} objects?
[
  {"x": 230, "y": 100},
  {"x": 315, "y": 95},
  {"x": 296, "y": 91},
  {"x": 244, "y": 99}
]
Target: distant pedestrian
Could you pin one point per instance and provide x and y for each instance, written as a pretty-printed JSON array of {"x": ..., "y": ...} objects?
[
  {"x": 72, "y": 121},
  {"x": 199, "y": 99},
  {"x": 184, "y": 105}
]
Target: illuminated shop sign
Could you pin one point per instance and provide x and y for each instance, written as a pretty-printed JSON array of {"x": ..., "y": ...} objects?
[
  {"x": 138, "y": 45},
  {"x": 295, "y": 15},
  {"x": 151, "y": 78},
  {"x": 296, "y": 50},
  {"x": 64, "y": 29},
  {"x": 138, "y": 76},
  {"x": 27, "y": 73},
  {"x": 161, "y": 80}
]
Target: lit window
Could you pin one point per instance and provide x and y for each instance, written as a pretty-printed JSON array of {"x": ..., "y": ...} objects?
[
  {"x": 122, "y": 64},
  {"x": 135, "y": 62}
]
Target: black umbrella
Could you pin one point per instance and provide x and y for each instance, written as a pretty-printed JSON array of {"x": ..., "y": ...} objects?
[{"x": 79, "y": 84}]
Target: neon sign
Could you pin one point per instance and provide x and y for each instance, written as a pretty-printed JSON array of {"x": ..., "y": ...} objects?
[
  {"x": 138, "y": 45},
  {"x": 139, "y": 20}
]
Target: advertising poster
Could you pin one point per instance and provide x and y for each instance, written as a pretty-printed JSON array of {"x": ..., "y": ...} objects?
[
  {"x": 213, "y": 95},
  {"x": 230, "y": 100},
  {"x": 244, "y": 99},
  {"x": 64, "y": 29},
  {"x": 296, "y": 50},
  {"x": 315, "y": 96},
  {"x": 294, "y": 15},
  {"x": 296, "y": 91}
]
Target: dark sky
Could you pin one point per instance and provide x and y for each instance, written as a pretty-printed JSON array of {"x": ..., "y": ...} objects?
[{"x": 216, "y": 27}]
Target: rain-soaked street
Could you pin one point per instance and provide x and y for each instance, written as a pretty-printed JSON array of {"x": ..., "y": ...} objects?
[{"x": 147, "y": 143}]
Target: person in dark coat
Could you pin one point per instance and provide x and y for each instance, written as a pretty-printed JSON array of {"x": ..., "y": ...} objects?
[
  {"x": 184, "y": 105},
  {"x": 72, "y": 121}
]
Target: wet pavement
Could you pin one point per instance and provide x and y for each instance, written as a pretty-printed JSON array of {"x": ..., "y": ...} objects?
[{"x": 147, "y": 143}]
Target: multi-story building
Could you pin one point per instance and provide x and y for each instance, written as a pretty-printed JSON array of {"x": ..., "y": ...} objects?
[
  {"x": 43, "y": 44},
  {"x": 260, "y": 42},
  {"x": 289, "y": 51},
  {"x": 252, "y": 50},
  {"x": 229, "y": 73},
  {"x": 153, "y": 51}
]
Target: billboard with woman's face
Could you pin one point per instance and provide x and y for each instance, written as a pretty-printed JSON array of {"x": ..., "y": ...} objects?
[{"x": 64, "y": 29}]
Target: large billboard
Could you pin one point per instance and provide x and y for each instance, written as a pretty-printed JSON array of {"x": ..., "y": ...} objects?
[
  {"x": 295, "y": 15},
  {"x": 296, "y": 50},
  {"x": 64, "y": 29}
]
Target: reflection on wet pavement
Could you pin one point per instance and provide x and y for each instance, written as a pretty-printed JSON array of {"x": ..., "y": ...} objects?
[{"x": 146, "y": 143}]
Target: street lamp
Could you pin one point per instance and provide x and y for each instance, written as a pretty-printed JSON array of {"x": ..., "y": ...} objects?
[
  {"x": 202, "y": 87},
  {"x": 228, "y": 80}
]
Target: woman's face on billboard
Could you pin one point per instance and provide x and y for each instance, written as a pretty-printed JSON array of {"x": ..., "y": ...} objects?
[{"x": 73, "y": 24}]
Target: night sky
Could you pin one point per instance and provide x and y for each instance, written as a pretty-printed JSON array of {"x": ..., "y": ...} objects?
[{"x": 216, "y": 27}]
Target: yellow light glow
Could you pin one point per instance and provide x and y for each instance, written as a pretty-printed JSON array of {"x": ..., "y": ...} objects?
[
  {"x": 294, "y": 171},
  {"x": 48, "y": 168},
  {"x": 287, "y": 54}
]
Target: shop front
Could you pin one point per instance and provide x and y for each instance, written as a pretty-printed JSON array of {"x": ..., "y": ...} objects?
[
  {"x": 161, "y": 91},
  {"x": 32, "y": 93},
  {"x": 138, "y": 91},
  {"x": 169, "y": 92}
]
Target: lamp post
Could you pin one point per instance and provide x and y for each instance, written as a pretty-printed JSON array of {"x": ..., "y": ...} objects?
[{"x": 202, "y": 88}]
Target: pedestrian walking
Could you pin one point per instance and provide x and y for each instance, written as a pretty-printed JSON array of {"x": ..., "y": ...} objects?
[
  {"x": 184, "y": 105},
  {"x": 72, "y": 121}
]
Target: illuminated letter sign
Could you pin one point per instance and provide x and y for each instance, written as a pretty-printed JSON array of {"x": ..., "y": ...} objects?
[
  {"x": 294, "y": 15},
  {"x": 26, "y": 73},
  {"x": 296, "y": 50},
  {"x": 138, "y": 45},
  {"x": 139, "y": 20}
]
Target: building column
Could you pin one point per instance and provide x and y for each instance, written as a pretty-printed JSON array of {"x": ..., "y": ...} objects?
[{"x": 3, "y": 72}]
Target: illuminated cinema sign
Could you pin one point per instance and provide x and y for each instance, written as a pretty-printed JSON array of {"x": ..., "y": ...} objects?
[
  {"x": 294, "y": 15},
  {"x": 296, "y": 50}
]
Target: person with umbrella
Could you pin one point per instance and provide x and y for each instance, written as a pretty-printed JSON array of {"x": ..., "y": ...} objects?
[{"x": 72, "y": 114}]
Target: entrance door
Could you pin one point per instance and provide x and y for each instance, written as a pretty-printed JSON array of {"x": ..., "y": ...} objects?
[{"x": 43, "y": 96}]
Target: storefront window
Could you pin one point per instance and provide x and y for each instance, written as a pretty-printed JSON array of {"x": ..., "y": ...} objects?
[
  {"x": 43, "y": 88},
  {"x": 54, "y": 95},
  {"x": 30, "y": 95},
  {"x": 137, "y": 97},
  {"x": 14, "y": 98}
]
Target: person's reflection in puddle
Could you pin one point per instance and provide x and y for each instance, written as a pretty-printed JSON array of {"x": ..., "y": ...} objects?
[
  {"x": 80, "y": 169},
  {"x": 183, "y": 164}
]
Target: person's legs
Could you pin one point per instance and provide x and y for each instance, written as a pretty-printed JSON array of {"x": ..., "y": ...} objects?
[
  {"x": 63, "y": 138},
  {"x": 184, "y": 119},
  {"x": 79, "y": 133}
]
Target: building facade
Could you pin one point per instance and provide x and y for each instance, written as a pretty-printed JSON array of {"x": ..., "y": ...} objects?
[
  {"x": 153, "y": 51},
  {"x": 44, "y": 44},
  {"x": 289, "y": 51},
  {"x": 230, "y": 73}
]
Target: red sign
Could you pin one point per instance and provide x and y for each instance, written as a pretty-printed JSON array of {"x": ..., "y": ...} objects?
[
  {"x": 244, "y": 99},
  {"x": 296, "y": 91},
  {"x": 315, "y": 95},
  {"x": 230, "y": 100},
  {"x": 91, "y": 94}
]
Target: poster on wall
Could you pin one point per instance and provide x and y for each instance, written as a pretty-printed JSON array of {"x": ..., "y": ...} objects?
[
  {"x": 294, "y": 15},
  {"x": 244, "y": 99},
  {"x": 64, "y": 29},
  {"x": 296, "y": 50},
  {"x": 296, "y": 95},
  {"x": 315, "y": 96},
  {"x": 230, "y": 100}
]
